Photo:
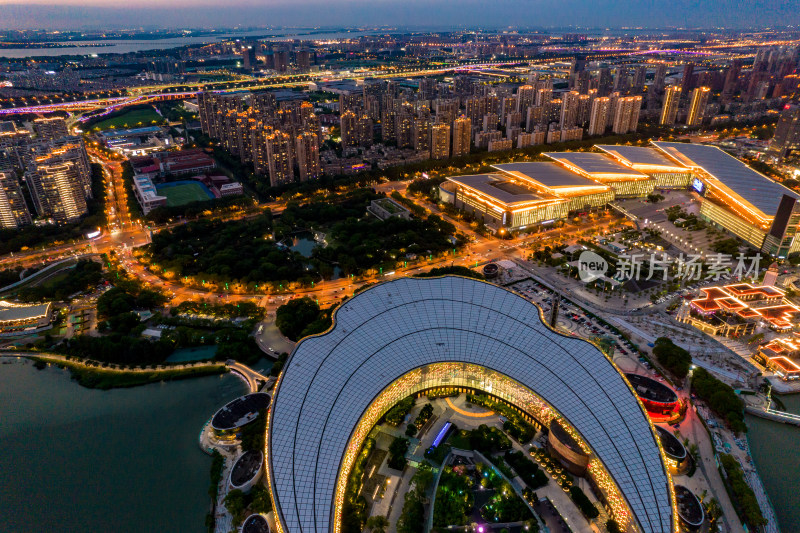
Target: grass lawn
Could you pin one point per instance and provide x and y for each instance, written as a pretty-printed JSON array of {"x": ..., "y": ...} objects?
[
  {"x": 183, "y": 193},
  {"x": 132, "y": 119}
]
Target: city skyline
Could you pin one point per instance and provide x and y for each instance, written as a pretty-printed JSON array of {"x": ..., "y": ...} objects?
[{"x": 606, "y": 14}]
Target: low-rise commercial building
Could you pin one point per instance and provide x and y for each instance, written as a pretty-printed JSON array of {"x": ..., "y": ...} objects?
[{"x": 19, "y": 317}]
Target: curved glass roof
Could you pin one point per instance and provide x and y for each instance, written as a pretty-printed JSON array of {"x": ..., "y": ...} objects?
[
  {"x": 757, "y": 189},
  {"x": 395, "y": 327}
]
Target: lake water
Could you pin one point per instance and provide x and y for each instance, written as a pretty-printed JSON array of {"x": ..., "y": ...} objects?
[
  {"x": 776, "y": 452},
  {"x": 127, "y": 460},
  {"x": 124, "y": 46}
]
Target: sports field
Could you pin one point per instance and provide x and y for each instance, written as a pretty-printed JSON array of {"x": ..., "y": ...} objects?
[
  {"x": 132, "y": 119},
  {"x": 184, "y": 192}
]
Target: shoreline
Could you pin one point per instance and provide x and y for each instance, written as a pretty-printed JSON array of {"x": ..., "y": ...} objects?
[{"x": 106, "y": 378}]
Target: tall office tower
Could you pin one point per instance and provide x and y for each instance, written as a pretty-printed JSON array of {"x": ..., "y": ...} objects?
[
  {"x": 659, "y": 78},
  {"x": 279, "y": 155},
  {"x": 462, "y": 133},
  {"x": 526, "y": 94},
  {"x": 307, "y": 150},
  {"x": 569, "y": 109},
  {"x": 601, "y": 107},
  {"x": 422, "y": 133},
  {"x": 697, "y": 107},
  {"x": 427, "y": 88},
  {"x": 686, "y": 80},
  {"x": 350, "y": 102},
  {"x": 490, "y": 121},
  {"x": 669, "y": 111},
  {"x": 639, "y": 77},
  {"x": 57, "y": 189},
  {"x": 303, "y": 58},
  {"x": 534, "y": 117},
  {"x": 626, "y": 116},
  {"x": 446, "y": 110},
  {"x": 50, "y": 129},
  {"x": 787, "y": 131},
  {"x": 248, "y": 57},
  {"x": 544, "y": 95},
  {"x": 281, "y": 59},
  {"x": 348, "y": 124},
  {"x": 13, "y": 211},
  {"x": 440, "y": 141},
  {"x": 366, "y": 131},
  {"x": 605, "y": 82}
]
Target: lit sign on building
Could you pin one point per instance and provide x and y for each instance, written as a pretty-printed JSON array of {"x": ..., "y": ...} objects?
[{"x": 698, "y": 186}]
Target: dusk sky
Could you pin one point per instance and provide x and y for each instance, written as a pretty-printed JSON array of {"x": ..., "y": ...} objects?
[{"x": 63, "y": 14}]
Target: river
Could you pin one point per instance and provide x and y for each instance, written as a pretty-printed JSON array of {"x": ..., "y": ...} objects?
[
  {"x": 126, "y": 460},
  {"x": 125, "y": 46},
  {"x": 776, "y": 452}
]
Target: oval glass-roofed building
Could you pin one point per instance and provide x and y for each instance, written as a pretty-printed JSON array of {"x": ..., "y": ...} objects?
[{"x": 410, "y": 335}]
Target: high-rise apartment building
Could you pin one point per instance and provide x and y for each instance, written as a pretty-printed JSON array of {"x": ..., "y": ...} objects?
[
  {"x": 787, "y": 131},
  {"x": 569, "y": 109},
  {"x": 422, "y": 133},
  {"x": 440, "y": 141},
  {"x": 697, "y": 106},
  {"x": 50, "y": 129},
  {"x": 686, "y": 80},
  {"x": 462, "y": 134},
  {"x": 13, "y": 211},
  {"x": 626, "y": 116},
  {"x": 348, "y": 123},
  {"x": 669, "y": 110},
  {"x": 303, "y": 60},
  {"x": 307, "y": 150},
  {"x": 601, "y": 107},
  {"x": 279, "y": 157},
  {"x": 57, "y": 188},
  {"x": 526, "y": 95}
]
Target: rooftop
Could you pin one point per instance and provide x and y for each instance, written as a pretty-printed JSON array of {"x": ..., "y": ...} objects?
[
  {"x": 246, "y": 467},
  {"x": 754, "y": 187},
  {"x": 651, "y": 389},
  {"x": 550, "y": 175},
  {"x": 640, "y": 156},
  {"x": 12, "y": 312},
  {"x": 391, "y": 334},
  {"x": 596, "y": 166},
  {"x": 255, "y": 523},
  {"x": 499, "y": 188},
  {"x": 240, "y": 411},
  {"x": 671, "y": 444}
]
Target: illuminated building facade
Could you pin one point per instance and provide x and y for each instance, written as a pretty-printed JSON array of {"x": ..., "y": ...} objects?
[
  {"x": 737, "y": 198},
  {"x": 13, "y": 211},
  {"x": 410, "y": 335},
  {"x": 669, "y": 111},
  {"x": 782, "y": 356},
  {"x": 735, "y": 310},
  {"x": 697, "y": 106}
]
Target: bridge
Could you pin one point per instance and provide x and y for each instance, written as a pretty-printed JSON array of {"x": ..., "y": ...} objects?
[
  {"x": 772, "y": 414},
  {"x": 250, "y": 376}
]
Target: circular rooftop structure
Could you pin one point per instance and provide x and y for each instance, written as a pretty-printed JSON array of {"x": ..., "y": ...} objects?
[
  {"x": 239, "y": 412},
  {"x": 490, "y": 270},
  {"x": 413, "y": 334},
  {"x": 690, "y": 510},
  {"x": 247, "y": 469},
  {"x": 673, "y": 447},
  {"x": 653, "y": 391},
  {"x": 255, "y": 523}
]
